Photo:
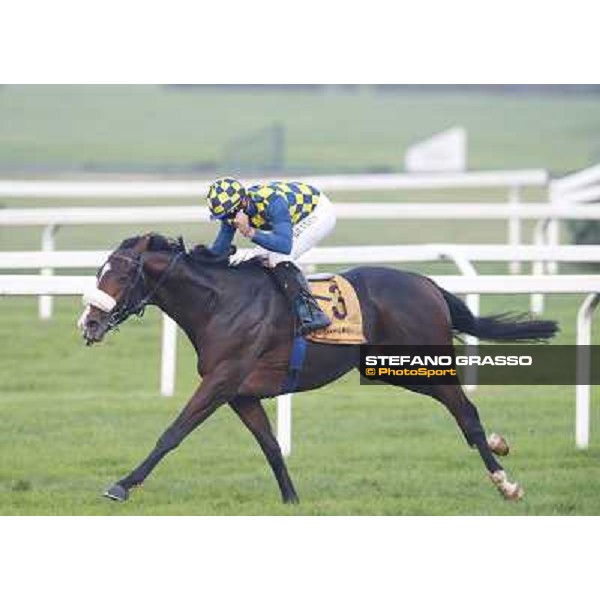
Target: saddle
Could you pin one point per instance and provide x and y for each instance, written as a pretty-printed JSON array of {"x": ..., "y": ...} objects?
[{"x": 338, "y": 300}]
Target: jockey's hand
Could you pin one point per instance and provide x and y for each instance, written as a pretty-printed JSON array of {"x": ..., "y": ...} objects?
[
  {"x": 265, "y": 262},
  {"x": 242, "y": 224}
]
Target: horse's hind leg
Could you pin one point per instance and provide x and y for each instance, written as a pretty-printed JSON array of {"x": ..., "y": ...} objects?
[
  {"x": 252, "y": 414},
  {"x": 467, "y": 417}
]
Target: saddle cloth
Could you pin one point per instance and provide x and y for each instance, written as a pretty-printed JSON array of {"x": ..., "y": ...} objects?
[{"x": 338, "y": 300}]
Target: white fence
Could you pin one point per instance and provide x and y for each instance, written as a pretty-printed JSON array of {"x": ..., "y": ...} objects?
[
  {"x": 490, "y": 284},
  {"x": 568, "y": 192},
  {"x": 138, "y": 215},
  {"x": 563, "y": 193},
  {"x": 462, "y": 255},
  {"x": 66, "y": 259},
  {"x": 52, "y": 218},
  {"x": 515, "y": 180}
]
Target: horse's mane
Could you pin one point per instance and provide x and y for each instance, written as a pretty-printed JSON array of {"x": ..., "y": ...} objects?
[
  {"x": 156, "y": 243},
  {"x": 201, "y": 255},
  {"x": 198, "y": 255}
]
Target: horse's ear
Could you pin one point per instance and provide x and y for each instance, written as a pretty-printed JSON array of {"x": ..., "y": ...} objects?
[{"x": 143, "y": 243}]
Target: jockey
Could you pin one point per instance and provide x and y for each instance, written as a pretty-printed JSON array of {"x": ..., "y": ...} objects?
[{"x": 285, "y": 220}]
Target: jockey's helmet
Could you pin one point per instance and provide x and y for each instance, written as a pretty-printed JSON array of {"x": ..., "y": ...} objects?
[{"x": 225, "y": 198}]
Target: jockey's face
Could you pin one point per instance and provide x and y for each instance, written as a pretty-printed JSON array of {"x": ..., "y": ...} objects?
[{"x": 230, "y": 218}]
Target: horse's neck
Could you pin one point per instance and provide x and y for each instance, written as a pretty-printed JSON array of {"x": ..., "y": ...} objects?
[
  {"x": 192, "y": 297},
  {"x": 186, "y": 297}
]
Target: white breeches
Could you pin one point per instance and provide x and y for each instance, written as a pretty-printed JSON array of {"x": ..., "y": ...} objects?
[{"x": 306, "y": 235}]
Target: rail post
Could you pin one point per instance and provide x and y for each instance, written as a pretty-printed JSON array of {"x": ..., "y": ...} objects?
[
  {"x": 514, "y": 227},
  {"x": 168, "y": 361},
  {"x": 583, "y": 387},
  {"x": 552, "y": 236},
  {"x": 45, "y": 302},
  {"x": 284, "y": 423},
  {"x": 538, "y": 267},
  {"x": 466, "y": 267}
]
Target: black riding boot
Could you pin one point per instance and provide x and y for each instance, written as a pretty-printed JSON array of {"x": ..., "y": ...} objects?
[{"x": 291, "y": 280}]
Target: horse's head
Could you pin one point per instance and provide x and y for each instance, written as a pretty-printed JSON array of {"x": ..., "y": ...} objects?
[
  {"x": 119, "y": 290},
  {"x": 130, "y": 278}
]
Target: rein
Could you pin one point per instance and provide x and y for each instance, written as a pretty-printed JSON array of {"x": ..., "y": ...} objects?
[{"x": 127, "y": 307}]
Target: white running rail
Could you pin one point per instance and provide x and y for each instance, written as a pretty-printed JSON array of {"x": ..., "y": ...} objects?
[
  {"x": 51, "y": 219},
  {"x": 328, "y": 183},
  {"x": 463, "y": 256},
  {"x": 570, "y": 191}
]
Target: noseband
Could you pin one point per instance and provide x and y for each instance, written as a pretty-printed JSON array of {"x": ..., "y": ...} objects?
[{"x": 127, "y": 305}]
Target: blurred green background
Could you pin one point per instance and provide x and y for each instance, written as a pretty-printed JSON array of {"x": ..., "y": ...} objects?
[{"x": 174, "y": 129}]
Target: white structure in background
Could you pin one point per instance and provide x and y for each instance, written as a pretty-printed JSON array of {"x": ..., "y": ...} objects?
[
  {"x": 568, "y": 195},
  {"x": 578, "y": 188},
  {"x": 445, "y": 152}
]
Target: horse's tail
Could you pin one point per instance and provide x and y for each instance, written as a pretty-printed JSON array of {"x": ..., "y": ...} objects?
[{"x": 503, "y": 327}]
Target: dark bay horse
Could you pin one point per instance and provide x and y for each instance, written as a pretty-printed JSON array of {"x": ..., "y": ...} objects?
[{"x": 242, "y": 328}]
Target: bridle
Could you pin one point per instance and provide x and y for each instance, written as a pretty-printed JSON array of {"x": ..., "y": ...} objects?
[{"x": 127, "y": 304}]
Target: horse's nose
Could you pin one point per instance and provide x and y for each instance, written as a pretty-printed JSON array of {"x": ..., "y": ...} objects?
[
  {"x": 91, "y": 331},
  {"x": 92, "y": 325}
]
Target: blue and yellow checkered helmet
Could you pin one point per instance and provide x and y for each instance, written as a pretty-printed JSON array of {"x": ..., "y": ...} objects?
[{"x": 225, "y": 198}]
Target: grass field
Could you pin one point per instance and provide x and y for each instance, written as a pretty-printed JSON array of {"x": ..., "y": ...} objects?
[
  {"x": 73, "y": 420},
  {"x": 153, "y": 125}
]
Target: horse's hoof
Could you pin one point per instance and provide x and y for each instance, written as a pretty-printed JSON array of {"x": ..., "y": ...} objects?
[
  {"x": 517, "y": 495},
  {"x": 292, "y": 500},
  {"x": 117, "y": 493},
  {"x": 509, "y": 490},
  {"x": 498, "y": 445}
]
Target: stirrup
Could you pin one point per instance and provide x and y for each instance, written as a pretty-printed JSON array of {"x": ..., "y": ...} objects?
[
  {"x": 309, "y": 316},
  {"x": 310, "y": 327}
]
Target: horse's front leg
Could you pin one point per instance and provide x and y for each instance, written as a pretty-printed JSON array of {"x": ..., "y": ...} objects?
[{"x": 216, "y": 389}]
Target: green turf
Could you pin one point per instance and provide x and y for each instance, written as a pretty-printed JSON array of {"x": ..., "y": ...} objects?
[{"x": 73, "y": 420}]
